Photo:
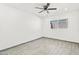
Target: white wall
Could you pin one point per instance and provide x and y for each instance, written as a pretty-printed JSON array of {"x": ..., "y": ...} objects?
[
  {"x": 17, "y": 27},
  {"x": 69, "y": 34}
]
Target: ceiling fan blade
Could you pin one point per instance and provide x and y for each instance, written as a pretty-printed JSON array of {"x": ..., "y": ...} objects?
[
  {"x": 51, "y": 8},
  {"x": 38, "y": 8},
  {"x": 41, "y": 11}
]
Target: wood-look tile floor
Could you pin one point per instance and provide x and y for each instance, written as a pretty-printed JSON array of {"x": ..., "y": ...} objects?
[{"x": 44, "y": 46}]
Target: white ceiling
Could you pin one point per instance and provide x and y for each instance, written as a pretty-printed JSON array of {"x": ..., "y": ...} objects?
[{"x": 30, "y": 7}]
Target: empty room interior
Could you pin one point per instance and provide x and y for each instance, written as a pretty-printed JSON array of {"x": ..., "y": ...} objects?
[{"x": 39, "y": 28}]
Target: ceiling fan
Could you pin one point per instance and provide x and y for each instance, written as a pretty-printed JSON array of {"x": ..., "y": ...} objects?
[{"x": 45, "y": 8}]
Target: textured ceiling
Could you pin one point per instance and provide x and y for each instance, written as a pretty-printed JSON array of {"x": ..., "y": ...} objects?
[{"x": 30, "y": 8}]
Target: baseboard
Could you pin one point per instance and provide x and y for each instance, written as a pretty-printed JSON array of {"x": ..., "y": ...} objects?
[
  {"x": 61, "y": 40},
  {"x": 37, "y": 39},
  {"x": 20, "y": 44}
]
